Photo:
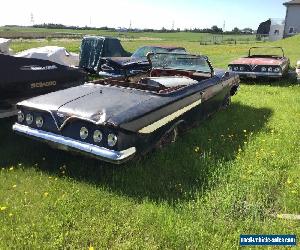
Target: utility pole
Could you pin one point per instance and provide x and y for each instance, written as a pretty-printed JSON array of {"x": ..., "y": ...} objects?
[{"x": 31, "y": 19}]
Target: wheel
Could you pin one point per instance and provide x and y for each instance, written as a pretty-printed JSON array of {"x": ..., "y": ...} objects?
[{"x": 168, "y": 138}]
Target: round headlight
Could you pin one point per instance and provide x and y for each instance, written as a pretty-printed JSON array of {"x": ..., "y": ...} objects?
[
  {"x": 277, "y": 70},
  {"x": 97, "y": 136},
  {"x": 263, "y": 69},
  {"x": 84, "y": 133},
  {"x": 112, "y": 140},
  {"x": 236, "y": 68},
  {"x": 39, "y": 121},
  {"x": 29, "y": 119},
  {"x": 270, "y": 69},
  {"x": 242, "y": 68},
  {"x": 21, "y": 117}
]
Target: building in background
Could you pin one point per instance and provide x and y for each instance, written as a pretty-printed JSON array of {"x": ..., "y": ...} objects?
[
  {"x": 271, "y": 29},
  {"x": 292, "y": 19}
]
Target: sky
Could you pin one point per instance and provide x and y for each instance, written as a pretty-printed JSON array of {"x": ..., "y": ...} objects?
[{"x": 144, "y": 13}]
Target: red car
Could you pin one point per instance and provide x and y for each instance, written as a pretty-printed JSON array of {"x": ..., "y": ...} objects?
[{"x": 261, "y": 64}]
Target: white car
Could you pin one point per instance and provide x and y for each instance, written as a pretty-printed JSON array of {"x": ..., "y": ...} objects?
[
  {"x": 298, "y": 70},
  {"x": 52, "y": 53}
]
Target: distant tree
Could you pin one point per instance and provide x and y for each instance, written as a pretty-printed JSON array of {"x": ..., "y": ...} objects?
[
  {"x": 247, "y": 31},
  {"x": 216, "y": 29},
  {"x": 236, "y": 30}
]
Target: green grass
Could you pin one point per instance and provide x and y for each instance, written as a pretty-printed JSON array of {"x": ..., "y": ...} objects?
[{"x": 227, "y": 177}]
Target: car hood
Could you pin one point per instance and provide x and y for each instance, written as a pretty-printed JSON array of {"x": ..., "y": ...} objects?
[
  {"x": 97, "y": 103},
  {"x": 258, "y": 61}
]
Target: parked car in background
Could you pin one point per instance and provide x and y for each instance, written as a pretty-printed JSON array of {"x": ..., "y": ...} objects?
[
  {"x": 261, "y": 64},
  {"x": 21, "y": 78},
  {"x": 115, "y": 120},
  {"x": 94, "y": 48},
  {"x": 125, "y": 66},
  {"x": 298, "y": 70}
]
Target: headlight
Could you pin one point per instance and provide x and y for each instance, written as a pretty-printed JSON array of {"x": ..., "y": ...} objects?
[
  {"x": 270, "y": 69},
  {"x": 236, "y": 68},
  {"x": 39, "y": 121},
  {"x": 21, "y": 117},
  {"x": 29, "y": 119},
  {"x": 112, "y": 140},
  {"x": 277, "y": 70},
  {"x": 263, "y": 69},
  {"x": 97, "y": 136},
  {"x": 242, "y": 68},
  {"x": 84, "y": 133}
]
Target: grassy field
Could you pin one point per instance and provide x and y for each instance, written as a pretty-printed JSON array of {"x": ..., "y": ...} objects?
[
  {"x": 204, "y": 38},
  {"x": 234, "y": 174}
]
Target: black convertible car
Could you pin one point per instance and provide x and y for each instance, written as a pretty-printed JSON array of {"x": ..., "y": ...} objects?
[
  {"x": 114, "y": 120},
  {"x": 21, "y": 78},
  {"x": 135, "y": 64}
]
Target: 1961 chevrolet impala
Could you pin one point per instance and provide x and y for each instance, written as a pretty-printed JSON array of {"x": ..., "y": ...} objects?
[
  {"x": 261, "y": 64},
  {"x": 114, "y": 119}
]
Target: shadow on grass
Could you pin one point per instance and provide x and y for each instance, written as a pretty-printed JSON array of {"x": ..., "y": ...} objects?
[
  {"x": 176, "y": 172},
  {"x": 284, "y": 82}
]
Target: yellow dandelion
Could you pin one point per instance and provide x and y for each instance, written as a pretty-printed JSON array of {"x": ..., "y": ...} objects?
[
  {"x": 240, "y": 150},
  {"x": 197, "y": 149},
  {"x": 55, "y": 179},
  {"x": 289, "y": 181},
  {"x": 91, "y": 248},
  {"x": 25, "y": 192},
  {"x": 279, "y": 216},
  {"x": 10, "y": 214},
  {"x": 14, "y": 186},
  {"x": 11, "y": 168},
  {"x": 46, "y": 194},
  {"x": 50, "y": 177},
  {"x": 3, "y": 208}
]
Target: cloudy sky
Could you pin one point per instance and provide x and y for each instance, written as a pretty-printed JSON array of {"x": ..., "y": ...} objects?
[{"x": 143, "y": 13}]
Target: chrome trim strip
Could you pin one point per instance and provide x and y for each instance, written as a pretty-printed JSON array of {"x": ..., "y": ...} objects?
[
  {"x": 156, "y": 125},
  {"x": 60, "y": 142}
]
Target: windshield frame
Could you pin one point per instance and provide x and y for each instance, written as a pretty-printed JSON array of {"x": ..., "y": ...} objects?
[
  {"x": 149, "y": 55},
  {"x": 266, "y": 47}
]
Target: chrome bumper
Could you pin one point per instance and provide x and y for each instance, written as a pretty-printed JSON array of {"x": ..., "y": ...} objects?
[
  {"x": 257, "y": 74},
  {"x": 65, "y": 143}
]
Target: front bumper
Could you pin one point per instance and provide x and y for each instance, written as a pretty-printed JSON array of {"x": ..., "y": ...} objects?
[
  {"x": 258, "y": 74},
  {"x": 68, "y": 144}
]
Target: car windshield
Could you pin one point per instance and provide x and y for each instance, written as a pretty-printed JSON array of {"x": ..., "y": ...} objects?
[
  {"x": 180, "y": 62},
  {"x": 143, "y": 51}
]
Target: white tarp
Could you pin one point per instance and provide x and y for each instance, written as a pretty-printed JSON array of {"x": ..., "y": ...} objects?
[
  {"x": 52, "y": 53},
  {"x": 4, "y": 46}
]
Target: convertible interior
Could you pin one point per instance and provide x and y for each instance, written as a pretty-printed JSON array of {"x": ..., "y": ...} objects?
[{"x": 161, "y": 81}]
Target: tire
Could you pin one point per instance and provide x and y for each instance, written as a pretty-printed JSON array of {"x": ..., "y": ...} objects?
[
  {"x": 168, "y": 138},
  {"x": 226, "y": 102}
]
